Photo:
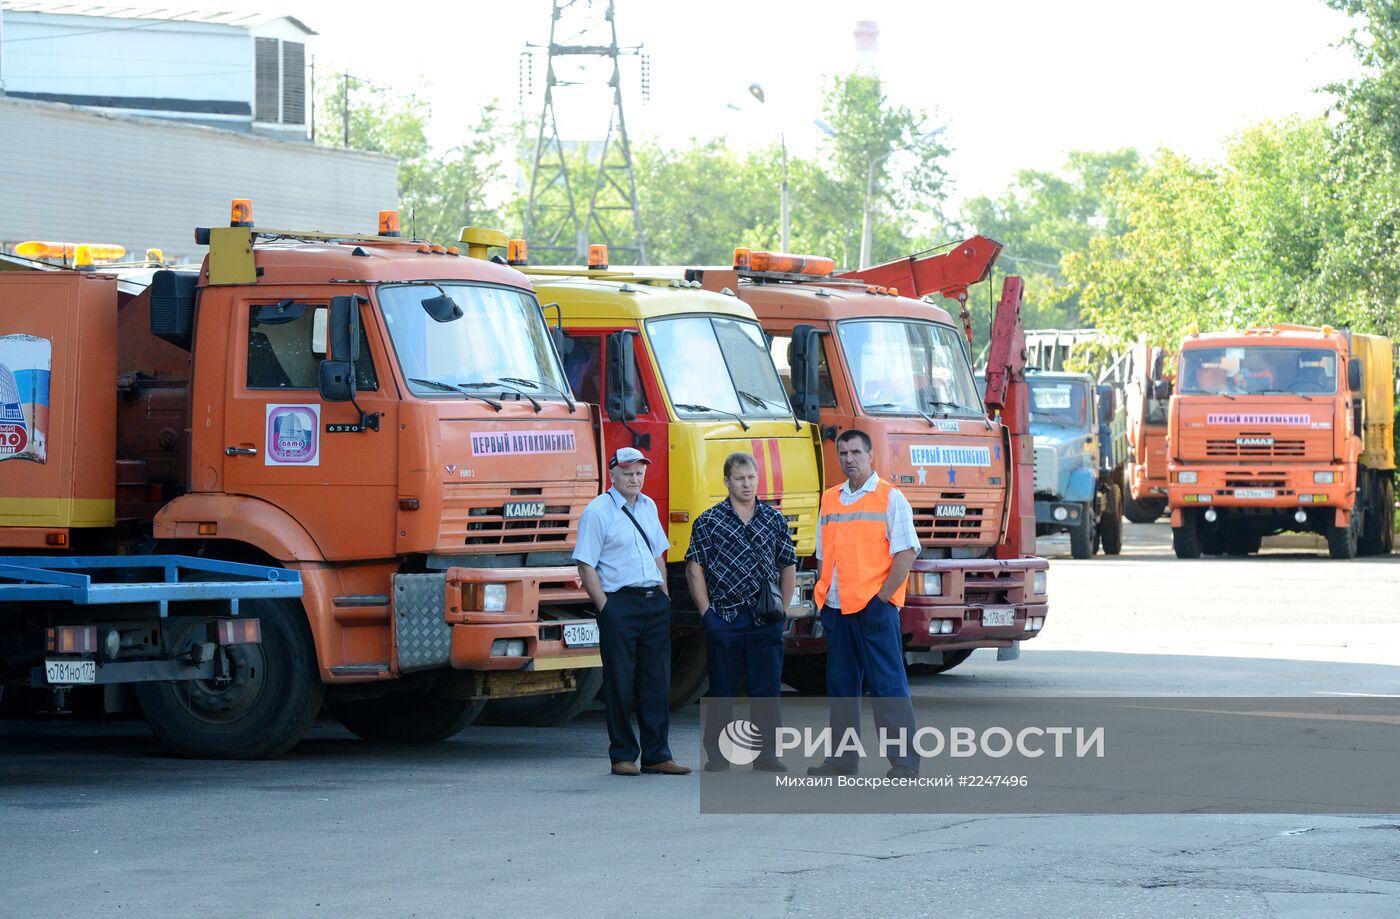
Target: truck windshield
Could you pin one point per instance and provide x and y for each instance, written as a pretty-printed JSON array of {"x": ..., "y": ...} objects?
[
  {"x": 1062, "y": 402},
  {"x": 1257, "y": 369},
  {"x": 500, "y": 336},
  {"x": 908, "y": 367},
  {"x": 717, "y": 364}
]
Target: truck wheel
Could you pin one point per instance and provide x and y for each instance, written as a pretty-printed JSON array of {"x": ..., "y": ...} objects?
[
  {"x": 1141, "y": 511},
  {"x": 1379, "y": 532},
  {"x": 1081, "y": 536},
  {"x": 419, "y": 716},
  {"x": 950, "y": 660},
  {"x": 272, "y": 695},
  {"x": 1111, "y": 523},
  {"x": 689, "y": 677},
  {"x": 544, "y": 711},
  {"x": 1186, "y": 539},
  {"x": 1342, "y": 542},
  {"x": 806, "y": 673}
]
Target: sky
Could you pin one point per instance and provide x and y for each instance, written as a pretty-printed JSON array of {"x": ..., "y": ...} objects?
[{"x": 1017, "y": 83}]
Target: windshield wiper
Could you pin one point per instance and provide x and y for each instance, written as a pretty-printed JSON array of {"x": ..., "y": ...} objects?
[
  {"x": 492, "y": 384},
  {"x": 764, "y": 403},
  {"x": 454, "y": 388},
  {"x": 538, "y": 385},
  {"x": 693, "y": 407},
  {"x": 1282, "y": 392}
]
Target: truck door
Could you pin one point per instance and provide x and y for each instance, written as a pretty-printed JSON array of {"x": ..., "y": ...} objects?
[{"x": 283, "y": 444}]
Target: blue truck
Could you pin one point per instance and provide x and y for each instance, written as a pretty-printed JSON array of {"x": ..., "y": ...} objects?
[{"x": 1081, "y": 447}]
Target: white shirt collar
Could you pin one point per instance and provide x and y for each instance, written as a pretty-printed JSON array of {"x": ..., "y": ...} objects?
[
  {"x": 619, "y": 500},
  {"x": 868, "y": 486}
]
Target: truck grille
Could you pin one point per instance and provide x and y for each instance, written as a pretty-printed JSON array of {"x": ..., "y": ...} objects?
[
  {"x": 1279, "y": 449},
  {"x": 476, "y": 517},
  {"x": 978, "y": 525},
  {"x": 1045, "y": 471}
]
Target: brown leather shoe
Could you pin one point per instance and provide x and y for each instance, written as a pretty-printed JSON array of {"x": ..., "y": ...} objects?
[
  {"x": 670, "y": 767},
  {"x": 622, "y": 767}
]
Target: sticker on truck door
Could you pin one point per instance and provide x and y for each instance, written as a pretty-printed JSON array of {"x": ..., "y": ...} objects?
[
  {"x": 24, "y": 397},
  {"x": 293, "y": 435}
]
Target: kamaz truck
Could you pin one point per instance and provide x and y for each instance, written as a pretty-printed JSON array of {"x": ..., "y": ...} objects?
[
  {"x": 322, "y": 467},
  {"x": 1282, "y": 427}
]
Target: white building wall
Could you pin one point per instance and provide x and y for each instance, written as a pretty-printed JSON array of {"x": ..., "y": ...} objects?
[
  {"x": 131, "y": 58},
  {"x": 72, "y": 175}
]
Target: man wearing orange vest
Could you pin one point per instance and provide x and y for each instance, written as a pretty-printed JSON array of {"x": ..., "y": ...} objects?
[{"x": 867, "y": 543}]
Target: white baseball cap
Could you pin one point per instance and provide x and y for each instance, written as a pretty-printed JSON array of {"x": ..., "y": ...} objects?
[{"x": 626, "y": 457}]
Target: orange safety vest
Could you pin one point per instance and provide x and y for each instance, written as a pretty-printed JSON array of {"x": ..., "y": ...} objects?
[{"x": 855, "y": 533}]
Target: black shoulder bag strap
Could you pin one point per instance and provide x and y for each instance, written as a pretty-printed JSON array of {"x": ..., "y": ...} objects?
[{"x": 626, "y": 510}]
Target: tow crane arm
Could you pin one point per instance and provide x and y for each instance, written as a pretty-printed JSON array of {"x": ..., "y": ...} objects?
[{"x": 948, "y": 273}]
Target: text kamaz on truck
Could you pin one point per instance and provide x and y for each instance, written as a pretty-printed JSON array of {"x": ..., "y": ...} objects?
[{"x": 382, "y": 420}]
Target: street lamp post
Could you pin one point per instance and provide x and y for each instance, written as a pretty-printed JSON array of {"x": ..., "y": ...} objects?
[{"x": 756, "y": 90}]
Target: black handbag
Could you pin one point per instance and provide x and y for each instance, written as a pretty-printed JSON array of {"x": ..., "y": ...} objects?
[{"x": 771, "y": 606}]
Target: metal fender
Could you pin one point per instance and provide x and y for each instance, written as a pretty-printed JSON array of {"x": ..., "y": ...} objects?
[
  {"x": 238, "y": 518},
  {"x": 1081, "y": 485}
]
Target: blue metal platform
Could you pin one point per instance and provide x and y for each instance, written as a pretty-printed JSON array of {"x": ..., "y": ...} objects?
[{"x": 94, "y": 580}]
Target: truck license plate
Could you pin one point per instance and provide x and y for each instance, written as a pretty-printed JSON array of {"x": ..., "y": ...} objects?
[
  {"x": 1254, "y": 492},
  {"x": 581, "y": 635},
  {"x": 1003, "y": 615},
  {"x": 64, "y": 673}
]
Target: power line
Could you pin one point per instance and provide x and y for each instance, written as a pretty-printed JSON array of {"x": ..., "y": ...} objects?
[{"x": 142, "y": 25}]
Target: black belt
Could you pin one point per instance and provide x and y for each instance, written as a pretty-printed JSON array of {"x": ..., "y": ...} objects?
[{"x": 646, "y": 593}]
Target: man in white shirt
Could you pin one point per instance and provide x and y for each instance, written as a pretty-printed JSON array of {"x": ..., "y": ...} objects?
[{"x": 621, "y": 558}]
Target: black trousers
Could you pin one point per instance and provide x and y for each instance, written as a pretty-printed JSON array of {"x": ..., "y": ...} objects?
[
  {"x": 635, "y": 638},
  {"x": 743, "y": 650}
]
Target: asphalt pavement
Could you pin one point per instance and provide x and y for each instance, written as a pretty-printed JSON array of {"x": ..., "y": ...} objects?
[{"x": 95, "y": 819}]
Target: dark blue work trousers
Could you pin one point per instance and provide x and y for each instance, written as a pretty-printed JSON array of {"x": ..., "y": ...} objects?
[
  {"x": 743, "y": 651},
  {"x": 634, "y": 634},
  {"x": 865, "y": 650}
]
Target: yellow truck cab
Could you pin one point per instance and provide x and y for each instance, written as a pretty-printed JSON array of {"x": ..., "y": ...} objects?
[{"x": 685, "y": 375}]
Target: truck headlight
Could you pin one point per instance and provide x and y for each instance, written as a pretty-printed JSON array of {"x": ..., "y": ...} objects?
[
  {"x": 1186, "y": 477},
  {"x": 1324, "y": 478},
  {"x": 487, "y": 598},
  {"x": 1060, "y": 513},
  {"x": 1038, "y": 579},
  {"x": 926, "y": 583}
]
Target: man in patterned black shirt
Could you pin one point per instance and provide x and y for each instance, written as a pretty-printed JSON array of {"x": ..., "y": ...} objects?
[{"x": 737, "y": 549}]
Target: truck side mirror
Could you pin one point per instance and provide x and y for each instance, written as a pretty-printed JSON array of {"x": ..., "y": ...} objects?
[
  {"x": 1161, "y": 389},
  {"x": 1354, "y": 374},
  {"x": 336, "y": 376},
  {"x": 1108, "y": 403},
  {"x": 621, "y": 397},
  {"x": 806, "y": 362}
]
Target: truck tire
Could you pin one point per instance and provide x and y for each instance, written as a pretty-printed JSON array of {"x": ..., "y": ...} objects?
[
  {"x": 273, "y": 695},
  {"x": 1343, "y": 542},
  {"x": 548, "y": 710},
  {"x": 950, "y": 660},
  {"x": 805, "y": 673},
  {"x": 1081, "y": 535},
  {"x": 689, "y": 676},
  {"x": 1142, "y": 511},
  {"x": 1378, "y": 534},
  {"x": 1111, "y": 523},
  {"x": 1186, "y": 539},
  {"x": 419, "y": 716}
]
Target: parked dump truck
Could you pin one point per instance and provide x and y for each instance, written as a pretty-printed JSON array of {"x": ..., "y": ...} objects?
[
  {"x": 1081, "y": 447},
  {"x": 376, "y": 427},
  {"x": 858, "y": 355},
  {"x": 1147, "y": 395},
  {"x": 1284, "y": 427},
  {"x": 685, "y": 375}
]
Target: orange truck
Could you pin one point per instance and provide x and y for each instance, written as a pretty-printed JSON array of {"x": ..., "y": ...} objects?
[
  {"x": 377, "y": 428},
  {"x": 1147, "y": 396},
  {"x": 1284, "y": 427},
  {"x": 857, "y": 355}
]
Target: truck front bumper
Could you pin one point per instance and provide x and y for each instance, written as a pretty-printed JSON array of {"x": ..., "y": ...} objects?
[
  {"x": 1282, "y": 489},
  {"x": 972, "y": 593},
  {"x": 1059, "y": 515},
  {"x": 487, "y": 619}
]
